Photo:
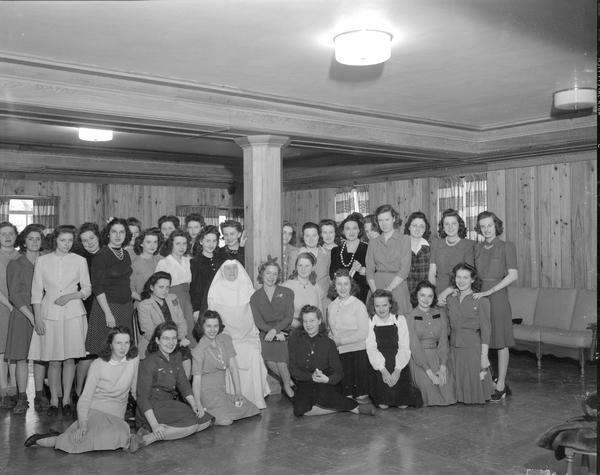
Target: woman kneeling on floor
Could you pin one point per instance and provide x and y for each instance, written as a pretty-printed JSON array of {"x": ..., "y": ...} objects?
[
  {"x": 102, "y": 404},
  {"x": 316, "y": 368},
  {"x": 160, "y": 414}
]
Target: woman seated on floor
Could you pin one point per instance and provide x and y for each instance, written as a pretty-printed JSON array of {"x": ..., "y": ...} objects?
[
  {"x": 101, "y": 407},
  {"x": 159, "y": 305},
  {"x": 160, "y": 414},
  {"x": 213, "y": 356},
  {"x": 316, "y": 368}
]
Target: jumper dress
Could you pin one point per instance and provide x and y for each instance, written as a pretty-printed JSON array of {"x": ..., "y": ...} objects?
[{"x": 403, "y": 393}]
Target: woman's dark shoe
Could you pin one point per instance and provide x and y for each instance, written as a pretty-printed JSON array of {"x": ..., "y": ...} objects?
[
  {"x": 498, "y": 395},
  {"x": 21, "y": 407},
  {"x": 67, "y": 410},
  {"x": 52, "y": 411},
  {"x": 32, "y": 440},
  {"x": 40, "y": 402},
  {"x": 508, "y": 390}
]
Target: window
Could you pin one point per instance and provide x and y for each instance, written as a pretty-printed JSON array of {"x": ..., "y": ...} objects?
[
  {"x": 24, "y": 210},
  {"x": 350, "y": 200},
  {"x": 212, "y": 215},
  {"x": 20, "y": 212},
  {"x": 467, "y": 195}
]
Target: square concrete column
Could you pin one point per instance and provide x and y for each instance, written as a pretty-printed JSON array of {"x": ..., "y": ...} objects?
[{"x": 262, "y": 198}]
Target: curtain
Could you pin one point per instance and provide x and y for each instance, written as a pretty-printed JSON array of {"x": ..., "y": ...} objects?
[
  {"x": 45, "y": 211},
  {"x": 475, "y": 200},
  {"x": 209, "y": 213},
  {"x": 237, "y": 214},
  {"x": 343, "y": 203},
  {"x": 4, "y": 206},
  {"x": 351, "y": 199},
  {"x": 466, "y": 194}
]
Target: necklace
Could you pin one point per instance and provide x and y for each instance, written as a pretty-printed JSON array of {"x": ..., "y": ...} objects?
[
  {"x": 312, "y": 349},
  {"x": 488, "y": 246},
  {"x": 118, "y": 252},
  {"x": 347, "y": 266},
  {"x": 452, "y": 243},
  {"x": 218, "y": 356}
]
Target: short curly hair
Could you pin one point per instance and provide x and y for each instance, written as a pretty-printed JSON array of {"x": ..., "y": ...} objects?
[
  {"x": 354, "y": 287},
  {"x": 387, "y": 208},
  {"x": 497, "y": 222},
  {"x": 270, "y": 262},
  {"x": 353, "y": 218},
  {"x": 137, "y": 245},
  {"x": 105, "y": 234},
  {"x": 106, "y": 351},
  {"x": 329, "y": 222},
  {"x": 381, "y": 293},
  {"x": 424, "y": 284},
  {"x": 8, "y": 224},
  {"x": 30, "y": 228},
  {"x": 418, "y": 215},
  {"x": 198, "y": 330},
  {"x": 312, "y": 259},
  {"x": 197, "y": 217},
  {"x": 452, "y": 213},
  {"x": 167, "y": 246},
  {"x": 476, "y": 285}
]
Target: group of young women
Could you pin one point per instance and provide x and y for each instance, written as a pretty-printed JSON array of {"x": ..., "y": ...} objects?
[{"x": 360, "y": 312}]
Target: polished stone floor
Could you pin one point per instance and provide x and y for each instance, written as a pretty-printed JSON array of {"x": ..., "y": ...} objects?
[{"x": 491, "y": 439}]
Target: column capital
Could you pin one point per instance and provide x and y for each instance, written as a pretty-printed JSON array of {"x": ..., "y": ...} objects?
[{"x": 269, "y": 140}]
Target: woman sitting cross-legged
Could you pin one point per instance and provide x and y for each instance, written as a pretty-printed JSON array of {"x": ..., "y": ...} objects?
[
  {"x": 161, "y": 380},
  {"x": 101, "y": 406},
  {"x": 315, "y": 366},
  {"x": 213, "y": 356}
]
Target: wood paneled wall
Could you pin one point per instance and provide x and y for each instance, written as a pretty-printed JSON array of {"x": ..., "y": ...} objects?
[
  {"x": 80, "y": 202},
  {"x": 549, "y": 212},
  {"x": 308, "y": 205}
]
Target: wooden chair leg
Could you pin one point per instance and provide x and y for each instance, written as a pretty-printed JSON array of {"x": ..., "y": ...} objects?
[
  {"x": 570, "y": 456},
  {"x": 538, "y": 354},
  {"x": 582, "y": 361},
  {"x": 585, "y": 464}
]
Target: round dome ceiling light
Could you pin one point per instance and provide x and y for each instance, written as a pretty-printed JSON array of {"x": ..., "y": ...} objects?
[
  {"x": 575, "y": 99},
  {"x": 363, "y": 47}
]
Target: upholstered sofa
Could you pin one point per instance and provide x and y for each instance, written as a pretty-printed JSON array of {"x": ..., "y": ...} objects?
[{"x": 559, "y": 322}]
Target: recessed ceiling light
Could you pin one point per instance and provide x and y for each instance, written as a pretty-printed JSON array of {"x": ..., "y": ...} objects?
[
  {"x": 363, "y": 47},
  {"x": 95, "y": 135}
]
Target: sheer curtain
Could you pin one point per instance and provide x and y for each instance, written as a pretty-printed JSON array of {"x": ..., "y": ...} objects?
[
  {"x": 4, "y": 206},
  {"x": 467, "y": 194},
  {"x": 209, "y": 213},
  {"x": 45, "y": 211},
  {"x": 237, "y": 214},
  {"x": 351, "y": 199}
]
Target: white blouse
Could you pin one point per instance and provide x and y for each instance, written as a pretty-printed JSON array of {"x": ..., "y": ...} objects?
[
  {"x": 180, "y": 273},
  {"x": 376, "y": 359}
]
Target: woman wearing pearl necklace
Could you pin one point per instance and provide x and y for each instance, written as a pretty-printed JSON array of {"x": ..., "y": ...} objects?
[{"x": 351, "y": 254}]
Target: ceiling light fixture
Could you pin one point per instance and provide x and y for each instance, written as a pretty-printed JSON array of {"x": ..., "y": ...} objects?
[
  {"x": 363, "y": 47},
  {"x": 575, "y": 99},
  {"x": 95, "y": 135}
]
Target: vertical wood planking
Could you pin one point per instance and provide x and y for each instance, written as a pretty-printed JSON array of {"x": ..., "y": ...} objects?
[
  {"x": 564, "y": 196},
  {"x": 496, "y": 192}
]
